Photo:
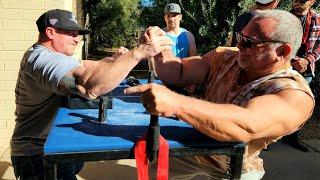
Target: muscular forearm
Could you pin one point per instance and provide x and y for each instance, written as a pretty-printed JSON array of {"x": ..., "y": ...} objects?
[
  {"x": 106, "y": 75},
  {"x": 95, "y": 79},
  {"x": 223, "y": 122},
  {"x": 227, "y": 122},
  {"x": 232, "y": 123}
]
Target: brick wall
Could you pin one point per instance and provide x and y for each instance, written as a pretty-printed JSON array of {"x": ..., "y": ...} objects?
[{"x": 18, "y": 31}]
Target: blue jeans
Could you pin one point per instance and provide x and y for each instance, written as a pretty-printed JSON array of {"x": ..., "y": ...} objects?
[{"x": 32, "y": 168}]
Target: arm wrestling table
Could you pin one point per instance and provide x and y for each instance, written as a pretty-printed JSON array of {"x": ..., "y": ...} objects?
[{"x": 77, "y": 134}]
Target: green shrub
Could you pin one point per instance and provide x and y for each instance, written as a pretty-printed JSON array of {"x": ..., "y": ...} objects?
[{"x": 114, "y": 23}]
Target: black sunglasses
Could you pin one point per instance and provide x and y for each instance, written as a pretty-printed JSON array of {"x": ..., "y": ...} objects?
[
  {"x": 300, "y": 1},
  {"x": 247, "y": 42}
]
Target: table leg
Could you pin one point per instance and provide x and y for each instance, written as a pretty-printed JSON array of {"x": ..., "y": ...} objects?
[
  {"x": 50, "y": 170},
  {"x": 236, "y": 163}
]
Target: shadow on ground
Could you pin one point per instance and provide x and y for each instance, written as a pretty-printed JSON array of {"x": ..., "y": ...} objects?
[{"x": 115, "y": 170}]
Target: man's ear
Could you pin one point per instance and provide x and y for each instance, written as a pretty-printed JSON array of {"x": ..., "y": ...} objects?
[
  {"x": 50, "y": 32},
  {"x": 284, "y": 50}
]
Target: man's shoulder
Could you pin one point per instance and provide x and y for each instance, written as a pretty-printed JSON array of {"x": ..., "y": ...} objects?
[
  {"x": 315, "y": 20},
  {"x": 41, "y": 52},
  {"x": 315, "y": 13},
  {"x": 188, "y": 34},
  {"x": 222, "y": 54},
  {"x": 38, "y": 53},
  {"x": 315, "y": 16},
  {"x": 223, "y": 50},
  {"x": 183, "y": 30},
  {"x": 227, "y": 50},
  {"x": 40, "y": 57},
  {"x": 283, "y": 80}
]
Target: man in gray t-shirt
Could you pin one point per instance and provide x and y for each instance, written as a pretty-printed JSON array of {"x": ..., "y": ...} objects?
[{"x": 47, "y": 73}]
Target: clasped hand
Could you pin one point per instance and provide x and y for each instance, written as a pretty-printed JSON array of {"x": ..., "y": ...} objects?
[
  {"x": 153, "y": 42},
  {"x": 157, "y": 99}
]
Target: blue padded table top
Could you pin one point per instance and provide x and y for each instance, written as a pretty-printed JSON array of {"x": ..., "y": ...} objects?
[{"x": 77, "y": 130}]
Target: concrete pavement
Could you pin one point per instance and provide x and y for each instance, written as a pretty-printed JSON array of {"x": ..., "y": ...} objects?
[{"x": 282, "y": 162}]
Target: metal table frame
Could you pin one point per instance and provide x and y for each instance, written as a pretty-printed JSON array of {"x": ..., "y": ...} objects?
[
  {"x": 234, "y": 150},
  {"x": 235, "y": 153}
]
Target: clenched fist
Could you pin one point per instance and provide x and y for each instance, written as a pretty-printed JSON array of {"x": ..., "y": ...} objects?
[{"x": 157, "y": 99}]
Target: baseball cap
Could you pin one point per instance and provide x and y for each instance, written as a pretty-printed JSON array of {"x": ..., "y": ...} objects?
[
  {"x": 264, "y": 1},
  {"x": 172, "y": 8},
  {"x": 60, "y": 19}
]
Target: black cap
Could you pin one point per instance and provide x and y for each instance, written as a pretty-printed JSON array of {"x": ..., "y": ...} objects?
[
  {"x": 60, "y": 19},
  {"x": 172, "y": 8}
]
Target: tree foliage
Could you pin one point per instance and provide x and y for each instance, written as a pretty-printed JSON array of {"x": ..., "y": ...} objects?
[
  {"x": 114, "y": 23},
  {"x": 210, "y": 21},
  {"x": 117, "y": 22}
]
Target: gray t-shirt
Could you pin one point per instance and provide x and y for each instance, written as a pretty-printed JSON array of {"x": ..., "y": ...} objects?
[{"x": 37, "y": 98}]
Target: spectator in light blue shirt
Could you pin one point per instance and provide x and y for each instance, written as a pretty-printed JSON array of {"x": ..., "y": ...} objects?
[{"x": 183, "y": 41}]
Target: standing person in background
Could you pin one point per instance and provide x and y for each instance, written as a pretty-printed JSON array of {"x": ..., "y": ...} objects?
[
  {"x": 244, "y": 18},
  {"x": 243, "y": 85},
  {"x": 47, "y": 73},
  {"x": 308, "y": 54},
  {"x": 183, "y": 41}
]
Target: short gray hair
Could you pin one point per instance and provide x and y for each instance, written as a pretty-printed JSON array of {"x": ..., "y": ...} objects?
[{"x": 288, "y": 28}]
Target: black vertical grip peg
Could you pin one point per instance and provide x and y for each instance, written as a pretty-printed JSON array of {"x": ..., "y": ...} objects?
[
  {"x": 102, "y": 110},
  {"x": 153, "y": 133}
]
